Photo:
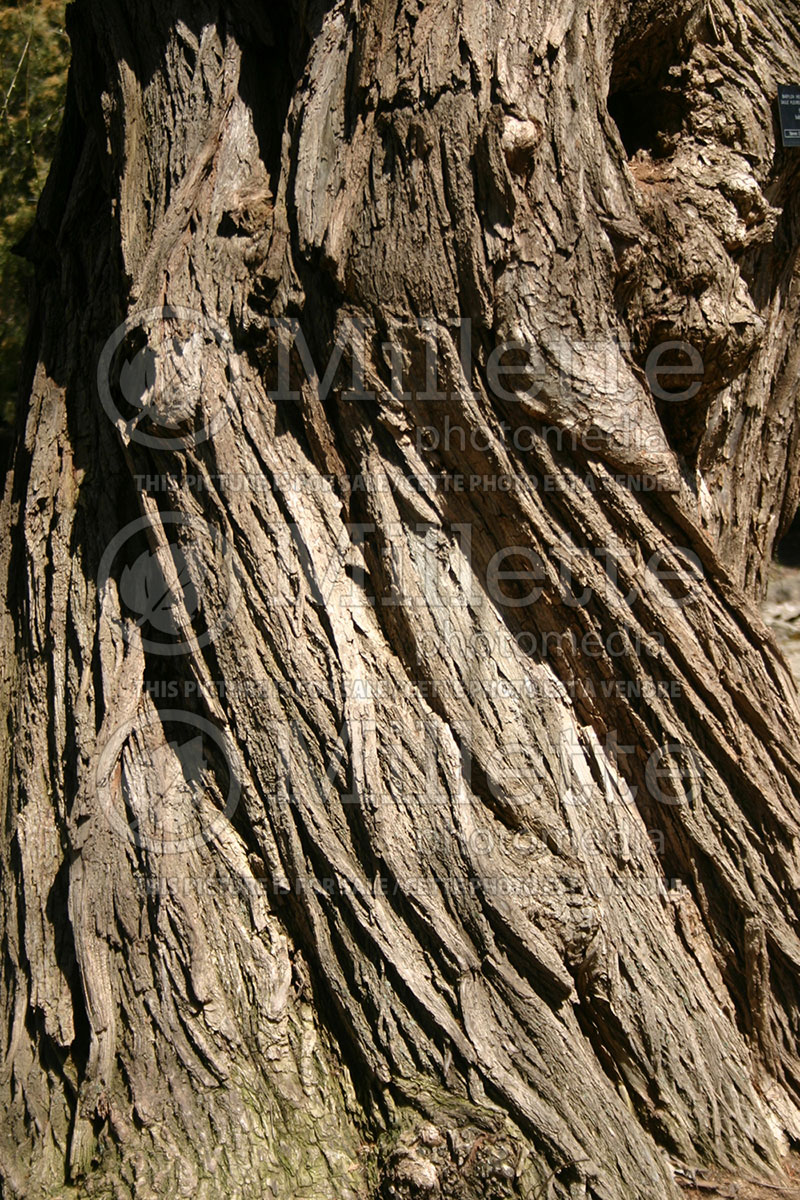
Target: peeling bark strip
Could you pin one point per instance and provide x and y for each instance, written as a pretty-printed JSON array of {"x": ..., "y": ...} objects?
[{"x": 365, "y": 833}]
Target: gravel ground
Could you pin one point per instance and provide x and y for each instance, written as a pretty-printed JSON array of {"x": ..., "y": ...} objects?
[
  {"x": 781, "y": 612},
  {"x": 706, "y": 1185}
]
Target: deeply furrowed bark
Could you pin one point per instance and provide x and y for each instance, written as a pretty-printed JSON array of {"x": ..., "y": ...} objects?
[{"x": 429, "y": 910}]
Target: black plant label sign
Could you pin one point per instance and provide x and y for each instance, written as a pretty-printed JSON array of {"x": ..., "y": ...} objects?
[{"x": 789, "y": 104}]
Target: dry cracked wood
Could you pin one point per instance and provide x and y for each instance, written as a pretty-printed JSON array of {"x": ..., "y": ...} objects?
[{"x": 426, "y": 905}]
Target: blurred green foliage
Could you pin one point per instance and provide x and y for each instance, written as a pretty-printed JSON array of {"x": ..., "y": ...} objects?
[{"x": 34, "y": 57}]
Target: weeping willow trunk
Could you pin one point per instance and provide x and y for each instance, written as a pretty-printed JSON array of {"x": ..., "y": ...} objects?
[{"x": 401, "y": 792}]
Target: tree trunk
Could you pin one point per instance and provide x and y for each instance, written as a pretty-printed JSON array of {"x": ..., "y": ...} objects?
[{"x": 401, "y": 789}]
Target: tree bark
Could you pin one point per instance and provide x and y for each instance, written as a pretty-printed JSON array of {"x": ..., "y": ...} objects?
[{"x": 334, "y": 860}]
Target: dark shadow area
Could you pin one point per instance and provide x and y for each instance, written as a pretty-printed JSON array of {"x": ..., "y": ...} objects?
[
  {"x": 647, "y": 120},
  {"x": 272, "y": 62},
  {"x": 645, "y": 96},
  {"x": 787, "y": 551},
  {"x": 6, "y": 446}
]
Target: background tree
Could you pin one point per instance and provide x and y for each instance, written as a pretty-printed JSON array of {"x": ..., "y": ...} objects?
[
  {"x": 35, "y": 55},
  {"x": 333, "y": 863}
]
